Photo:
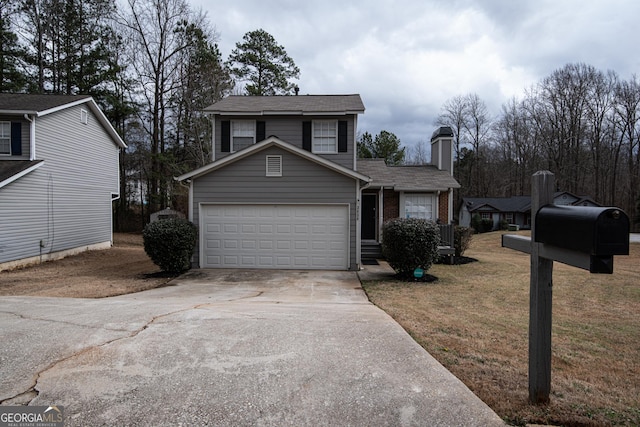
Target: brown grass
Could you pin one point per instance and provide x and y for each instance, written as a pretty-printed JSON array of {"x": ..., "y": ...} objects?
[
  {"x": 474, "y": 320},
  {"x": 123, "y": 269}
]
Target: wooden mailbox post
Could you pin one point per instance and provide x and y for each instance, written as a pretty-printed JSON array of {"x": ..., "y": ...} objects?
[{"x": 579, "y": 236}]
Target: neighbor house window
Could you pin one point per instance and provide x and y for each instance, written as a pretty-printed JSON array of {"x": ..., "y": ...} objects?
[
  {"x": 325, "y": 136},
  {"x": 418, "y": 206},
  {"x": 486, "y": 215},
  {"x": 509, "y": 218},
  {"x": 5, "y": 137},
  {"x": 84, "y": 116},
  {"x": 243, "y": 134}
]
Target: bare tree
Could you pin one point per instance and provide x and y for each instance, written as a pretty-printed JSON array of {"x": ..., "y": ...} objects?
[{"x": 155, "y": 42}]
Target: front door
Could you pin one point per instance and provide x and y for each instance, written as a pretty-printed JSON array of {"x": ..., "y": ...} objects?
[{"x": 369, "y": 210}]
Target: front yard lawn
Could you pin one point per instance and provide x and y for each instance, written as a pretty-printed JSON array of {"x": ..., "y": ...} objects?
[{"x": 474, "y": 320}]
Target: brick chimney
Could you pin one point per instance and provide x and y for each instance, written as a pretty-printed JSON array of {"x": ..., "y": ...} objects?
[{"x": 442, "y": 149}]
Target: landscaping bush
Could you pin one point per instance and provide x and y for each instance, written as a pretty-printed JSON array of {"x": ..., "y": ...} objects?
[
  {"x": 409, "y": 243},
  {"x": 170, "y": 243},
  {"x": 462, "y": 239},
  {"x": 481, "y": 225}
]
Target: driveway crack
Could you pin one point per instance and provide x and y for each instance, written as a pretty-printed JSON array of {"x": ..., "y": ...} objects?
[{"x": 26, "y": 397}]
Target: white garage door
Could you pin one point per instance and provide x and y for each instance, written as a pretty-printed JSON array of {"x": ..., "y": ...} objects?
[{"x": 275, "y": 236}]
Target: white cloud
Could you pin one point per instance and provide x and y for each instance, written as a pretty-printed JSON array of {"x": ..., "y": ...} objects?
[{"x": 406, "y": 58}]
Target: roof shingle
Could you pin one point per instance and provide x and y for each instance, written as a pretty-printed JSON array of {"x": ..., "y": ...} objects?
[
  {"x": 406, "y": 178},
  {"x": 22, "y": 103},
  {"x": 288, "y": 104}
]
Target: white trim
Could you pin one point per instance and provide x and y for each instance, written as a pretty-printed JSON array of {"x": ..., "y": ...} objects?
[
  {"x": 271, "y": 142},
  {"x": 32, "y": 136},
  {"x": 213, "y": 138},
  {"x": 20, "y": 174},
  {"x": 84, "y": 116},
  {"x": 64, "y": 106}
]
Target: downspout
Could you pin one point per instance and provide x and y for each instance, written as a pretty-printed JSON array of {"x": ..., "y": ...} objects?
[{"x": 32, "y": 136}]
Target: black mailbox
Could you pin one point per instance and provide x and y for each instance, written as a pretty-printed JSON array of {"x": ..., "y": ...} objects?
[{"x": 598, "y": 231}]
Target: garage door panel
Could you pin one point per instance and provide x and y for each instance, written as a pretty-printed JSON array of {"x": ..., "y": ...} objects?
[{"x": 275, "y": 236}]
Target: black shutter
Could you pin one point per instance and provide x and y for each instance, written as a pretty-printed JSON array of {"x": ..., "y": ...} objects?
[
  {"x": 260, "y": 131},
  {"x": 16, "y": 139},
  {"x": 225, "y": 133},
  {"x": 306, "y": 135},
  {"x": 342, "y": 137}
]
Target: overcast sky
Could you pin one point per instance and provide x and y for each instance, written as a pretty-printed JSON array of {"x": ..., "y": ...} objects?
[{"x": 407, "y": 57}]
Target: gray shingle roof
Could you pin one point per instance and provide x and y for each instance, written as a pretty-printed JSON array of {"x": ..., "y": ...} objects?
[
  {"x": 501, "y": 204},
  {"x": 10, "y": 168},
  {"x": 22, "y": 103},
  {"x": 406, "y": 178},
  {"x": 288, "y": 104}
]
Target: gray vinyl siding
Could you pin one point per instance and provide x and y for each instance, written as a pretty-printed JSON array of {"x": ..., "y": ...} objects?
[
  {"x": 25, "y": 129},
  {"x": 289, "y": 129},
  {"x": 65, "y": 203},
  {"x": 302, "y": 181}
]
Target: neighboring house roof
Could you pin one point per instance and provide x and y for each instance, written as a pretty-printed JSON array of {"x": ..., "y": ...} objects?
[
  {"x": 272, "y": 141},
  {"x": 500, "y": 204},
  {"x": 520, "y": 204},
  {"x": 288, "y": 105},
  {"x": 12, "y": 170},
  {"x": 40, "y": 105},
  {"x": 406, "y": 178}
]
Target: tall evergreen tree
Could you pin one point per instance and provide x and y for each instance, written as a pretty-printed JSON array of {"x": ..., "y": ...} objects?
[
  {"x": 12, "y": 78},
  {"x": 263, "y": 64},
  {"x": 385, "y": 145}
]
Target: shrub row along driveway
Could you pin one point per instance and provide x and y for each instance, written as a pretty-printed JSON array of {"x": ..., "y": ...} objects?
[{"x": 228, "y": 347}]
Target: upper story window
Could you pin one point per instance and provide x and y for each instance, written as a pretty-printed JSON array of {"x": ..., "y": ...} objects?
[
  {"x": 325, "y": 136},
  {"x": 243, "y": 134},
  {"x": 5, "y": 137}
]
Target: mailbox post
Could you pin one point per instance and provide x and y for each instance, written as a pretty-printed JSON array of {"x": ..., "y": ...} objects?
[{"x": 583, "y": 237}]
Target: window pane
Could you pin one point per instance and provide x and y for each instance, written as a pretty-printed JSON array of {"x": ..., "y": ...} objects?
[
  {"x": 325, "y": 136},
  {"x": 240, "y": 143},
  {"x": 243, "y": 128},
  {"x": 5, "y": 138},
  {"x": 418, "y": 206}
]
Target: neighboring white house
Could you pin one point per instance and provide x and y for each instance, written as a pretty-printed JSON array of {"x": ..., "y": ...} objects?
[{"x": 59, "y": 173}]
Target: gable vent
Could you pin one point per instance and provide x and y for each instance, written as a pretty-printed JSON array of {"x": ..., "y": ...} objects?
[{"x": 274, "y": 165}]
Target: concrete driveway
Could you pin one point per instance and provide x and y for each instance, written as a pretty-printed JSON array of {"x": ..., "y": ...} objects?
[{"x": 228, "y": 347}]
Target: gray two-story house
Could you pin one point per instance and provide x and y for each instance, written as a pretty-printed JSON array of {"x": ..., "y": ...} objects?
[
  {"x": 59, "y": 172},
  {"x": 283, "y": 189}
]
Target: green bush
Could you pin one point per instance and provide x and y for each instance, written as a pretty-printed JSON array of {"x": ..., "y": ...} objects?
[
  {"x": 170, "y": 243},
  {"x": 462, "y": 239},
  {"x": 409, "y": 243}
]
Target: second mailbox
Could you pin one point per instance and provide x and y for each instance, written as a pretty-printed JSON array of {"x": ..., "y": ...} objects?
[{"x": 592, "y": 230}]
